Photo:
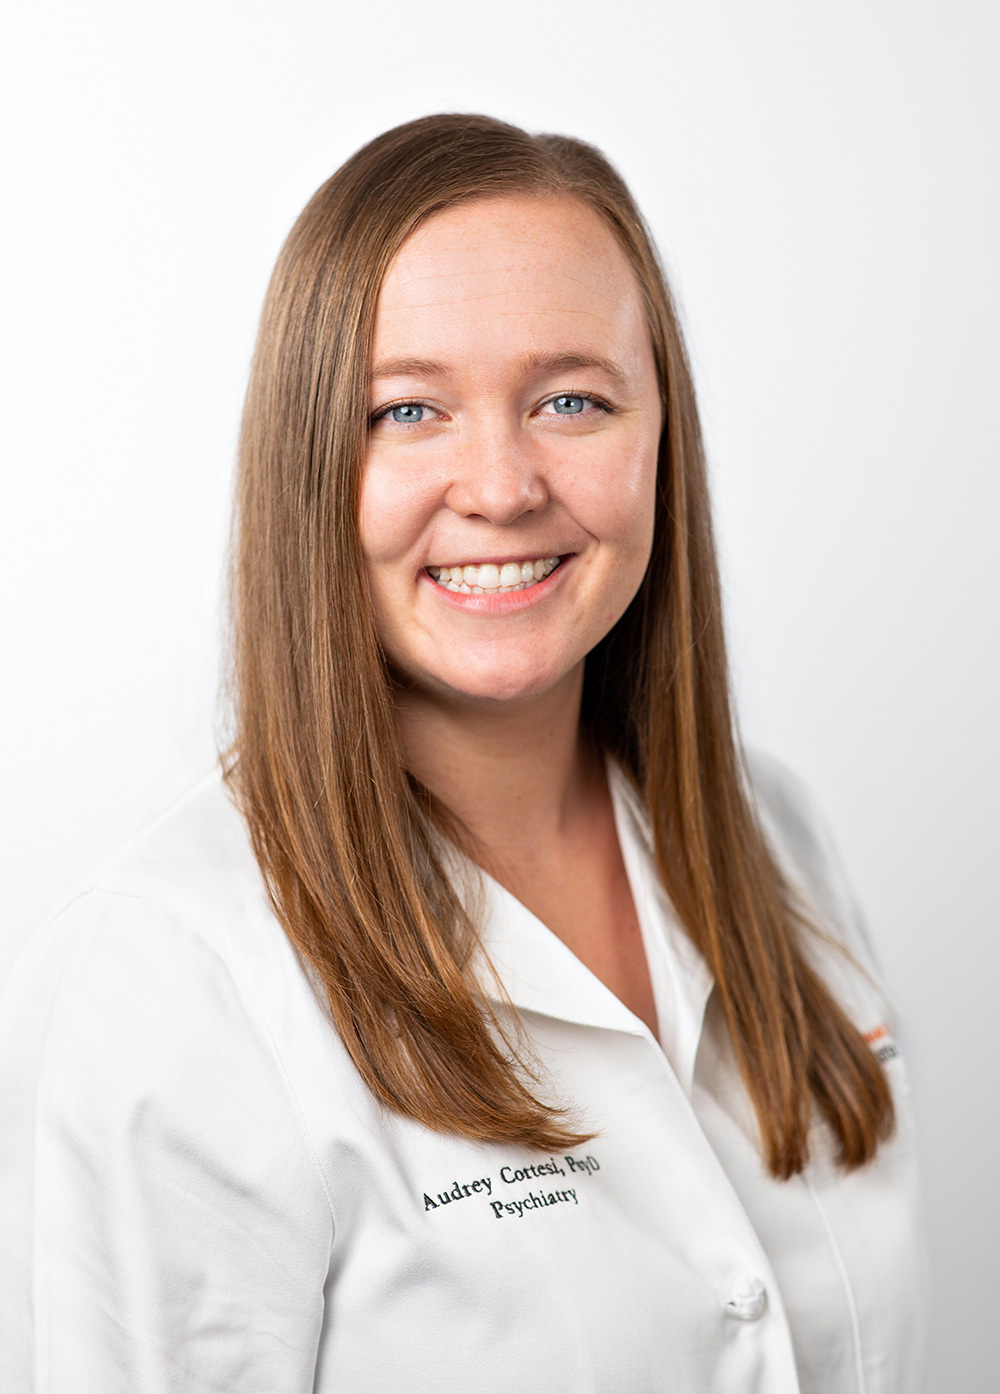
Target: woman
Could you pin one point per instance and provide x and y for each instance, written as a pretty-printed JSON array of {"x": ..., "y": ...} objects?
[{"x": 488, "y": 1026}]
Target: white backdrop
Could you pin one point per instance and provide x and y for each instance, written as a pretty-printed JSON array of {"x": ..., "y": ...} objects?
[{"x": 822, "y": 181}]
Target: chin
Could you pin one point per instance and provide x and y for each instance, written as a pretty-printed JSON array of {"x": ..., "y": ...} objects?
[{"x": 507, "y": 685}]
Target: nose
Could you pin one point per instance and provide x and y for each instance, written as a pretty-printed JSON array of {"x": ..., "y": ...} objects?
[{"x": 498, "y": 477}]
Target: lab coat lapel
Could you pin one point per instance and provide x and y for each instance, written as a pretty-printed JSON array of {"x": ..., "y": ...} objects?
[
  {"x": 682, "y": 980},
  {"x": 529, "y": 966},
  {"x": 535, "y": 970}
]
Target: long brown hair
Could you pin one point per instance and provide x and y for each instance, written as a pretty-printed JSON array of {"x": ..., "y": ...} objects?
[{"x": 341, "y": 829}]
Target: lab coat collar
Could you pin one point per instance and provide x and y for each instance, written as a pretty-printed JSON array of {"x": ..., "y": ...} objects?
[
  {"x": 681, "y": 978},
  {"x": 534, "y": 970}
]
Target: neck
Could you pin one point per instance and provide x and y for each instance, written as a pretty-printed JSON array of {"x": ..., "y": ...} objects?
[{"x": 515, "y": 776}]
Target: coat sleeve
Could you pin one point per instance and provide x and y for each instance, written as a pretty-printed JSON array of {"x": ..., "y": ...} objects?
[
  {"x": 165, "y": 1227},
  {"x": 805, "y": 849}
]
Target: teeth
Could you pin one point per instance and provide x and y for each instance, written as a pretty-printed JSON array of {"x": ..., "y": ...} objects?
[{"x": 492, "y": 579}]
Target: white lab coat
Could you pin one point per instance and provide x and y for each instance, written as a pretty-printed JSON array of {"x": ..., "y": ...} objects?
[{"x": 198, "y": 1194}]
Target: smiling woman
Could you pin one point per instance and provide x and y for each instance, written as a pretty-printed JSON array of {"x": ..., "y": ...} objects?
[
  {"x": 490, "y": 1021},
  {"x": 533, "y": 444}
]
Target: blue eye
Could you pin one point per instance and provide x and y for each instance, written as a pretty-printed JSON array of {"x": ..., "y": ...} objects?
[
  {"x": 407, "y": 414},
  {"x": 569, "y": 406}
]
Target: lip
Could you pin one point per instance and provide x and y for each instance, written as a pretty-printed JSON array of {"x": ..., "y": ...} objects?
[
  {"x": 480, "y": 560},
  {"x": 510, "y": 602}
]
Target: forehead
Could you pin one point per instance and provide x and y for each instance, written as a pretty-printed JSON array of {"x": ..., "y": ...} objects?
[{"x": 517, "y": 274}]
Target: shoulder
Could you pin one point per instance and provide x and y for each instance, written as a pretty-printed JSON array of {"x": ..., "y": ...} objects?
[
  {"x": 160, "y": 978},
  {"x": 806, "y": 853},
  {"x": 801, "y": 841},
  {"x": 790, "y": 815},
  {"x": 186, "y": 887},
  {"x": 155, "y": 1141},
  {"x": 195, "y": 857}
]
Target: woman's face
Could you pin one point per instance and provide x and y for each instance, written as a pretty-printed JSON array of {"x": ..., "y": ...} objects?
[{"x": 508, "y": 491}]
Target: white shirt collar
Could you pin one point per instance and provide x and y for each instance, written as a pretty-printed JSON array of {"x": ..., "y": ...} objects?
[
  {"x": 681, "y": 979},
  {"x": 538, "y": 973}
]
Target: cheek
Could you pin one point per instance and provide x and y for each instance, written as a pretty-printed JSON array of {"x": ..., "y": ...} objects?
[
  {"x": 393, "y": 511},
  {"x": 615, "y": 502}
]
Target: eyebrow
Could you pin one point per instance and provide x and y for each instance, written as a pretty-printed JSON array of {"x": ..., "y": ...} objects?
[{"x": 535, "y": 364}]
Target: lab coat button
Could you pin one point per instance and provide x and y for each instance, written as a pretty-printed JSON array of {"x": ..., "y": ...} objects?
[{"x": 748, "y": 1300}]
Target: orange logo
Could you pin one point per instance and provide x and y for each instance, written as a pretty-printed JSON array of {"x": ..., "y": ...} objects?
[{"x": 881, "y": 1042}]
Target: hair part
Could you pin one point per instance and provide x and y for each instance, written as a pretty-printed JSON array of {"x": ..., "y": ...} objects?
[{"x": 342, "y": 831}]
